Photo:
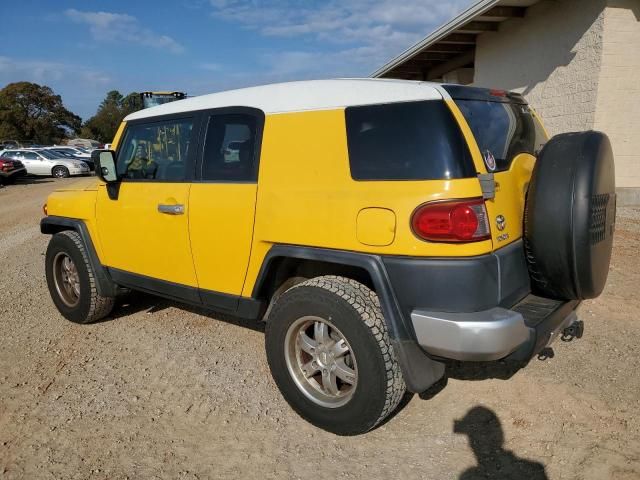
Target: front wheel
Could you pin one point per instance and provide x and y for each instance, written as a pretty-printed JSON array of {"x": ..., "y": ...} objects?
[
  {"x": 60, "y": 172},
  {"x": 330, "y": 355},
  {"x": 71, "y": 280}
]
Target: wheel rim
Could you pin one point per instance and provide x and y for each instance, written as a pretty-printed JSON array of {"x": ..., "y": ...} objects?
[
  {"x": 59, "y": 173},
  {"x": 321, "y": 361},
  {"x": 66, "y": 279}
]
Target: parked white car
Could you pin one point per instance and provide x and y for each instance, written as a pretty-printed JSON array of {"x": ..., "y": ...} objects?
[{"x": 42, "y": 162}]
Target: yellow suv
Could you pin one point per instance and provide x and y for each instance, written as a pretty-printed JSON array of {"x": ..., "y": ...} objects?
[{"x": 380, "y": 228}]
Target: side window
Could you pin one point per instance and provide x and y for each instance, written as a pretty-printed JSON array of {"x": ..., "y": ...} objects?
[
  {"x": 156, "y": 151},
  {"x": 230, "y": 148},
  {"x": 30, "y": 155}
]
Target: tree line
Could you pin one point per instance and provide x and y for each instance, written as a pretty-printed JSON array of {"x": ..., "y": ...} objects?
[{"x": 34, "y": 113}]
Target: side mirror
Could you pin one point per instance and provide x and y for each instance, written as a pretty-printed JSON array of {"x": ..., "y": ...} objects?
[{"x": 105, "y": 163}]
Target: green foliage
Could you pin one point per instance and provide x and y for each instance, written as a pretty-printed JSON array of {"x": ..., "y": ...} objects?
[
  {"x": 32, "y": 112},
  {"x": 103, "y": 125}
]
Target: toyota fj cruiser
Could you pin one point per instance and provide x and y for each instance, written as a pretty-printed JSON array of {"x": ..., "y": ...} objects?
[{"x": 380, "y": 229}]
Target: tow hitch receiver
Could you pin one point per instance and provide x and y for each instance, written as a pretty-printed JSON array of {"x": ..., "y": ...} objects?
[{"x": 575, "y": 330}]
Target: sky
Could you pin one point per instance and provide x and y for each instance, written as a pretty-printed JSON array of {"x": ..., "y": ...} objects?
[{"x": 83, "y": 49}]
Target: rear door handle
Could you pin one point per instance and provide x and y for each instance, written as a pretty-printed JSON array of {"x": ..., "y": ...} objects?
[{"x": 171, "y": 209}]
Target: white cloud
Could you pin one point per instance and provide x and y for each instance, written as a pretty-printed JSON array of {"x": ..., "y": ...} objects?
[
  {"x": 356, "y": 36},
  {"x": 80, "y": 87},
  {"x": 122, "y": 28},
  {"x": 43, "y": 71}
]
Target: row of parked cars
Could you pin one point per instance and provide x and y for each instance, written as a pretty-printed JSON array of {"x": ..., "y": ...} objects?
[{"x": 58, "y": 161}]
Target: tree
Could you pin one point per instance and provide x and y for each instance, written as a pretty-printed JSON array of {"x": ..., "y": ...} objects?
[
  {"x": 32, "y": 112},
  {"x": 103, "y": 125}
]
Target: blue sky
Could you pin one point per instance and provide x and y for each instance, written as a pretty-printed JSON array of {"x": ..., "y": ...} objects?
[{"x": 82, "y": 49}]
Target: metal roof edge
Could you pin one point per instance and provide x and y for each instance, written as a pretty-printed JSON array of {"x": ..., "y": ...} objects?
[{"x": 474, "y": 10}]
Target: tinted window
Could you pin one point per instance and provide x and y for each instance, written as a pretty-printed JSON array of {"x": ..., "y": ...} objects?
[
  {"x": 64, "y": 153},
  {"x": 406, "y": 141},
  {"x": 230, "y": 148},
  {"x": 503, "y": 129},
  {"x": 156, "y": 151},
  {"x": 48, "y": 155},
  {"x": 29, "y": 155}
]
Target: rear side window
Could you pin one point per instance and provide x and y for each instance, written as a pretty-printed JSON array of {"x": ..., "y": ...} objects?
[
  {"x": 230, "y": 149},
  {"x": 406, "y": 141},
  {"x": 29, "y": 155},
  {"x": 503, "y": 130}
]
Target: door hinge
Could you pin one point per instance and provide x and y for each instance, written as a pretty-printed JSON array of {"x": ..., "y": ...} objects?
[{"x": 488, "y": 185}]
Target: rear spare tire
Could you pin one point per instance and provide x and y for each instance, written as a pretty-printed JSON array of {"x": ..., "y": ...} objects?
[{"x": 570, "y": 216}]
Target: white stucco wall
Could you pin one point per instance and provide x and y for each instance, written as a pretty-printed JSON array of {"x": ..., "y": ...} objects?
[
  {"x": 552, "y": 55},
  {"x": 578, "y": 63},
  {"x": 618, "y": 101}
]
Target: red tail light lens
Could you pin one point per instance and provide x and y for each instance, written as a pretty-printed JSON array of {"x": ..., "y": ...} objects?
[{"x": 456, "y": 221}]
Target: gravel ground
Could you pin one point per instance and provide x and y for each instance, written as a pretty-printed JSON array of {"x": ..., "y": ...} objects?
[{"x": 160, "y": 390}]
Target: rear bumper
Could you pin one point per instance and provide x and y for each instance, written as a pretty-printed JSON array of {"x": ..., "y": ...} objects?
[
  {"x": 17, "y": 173},
  {"x": 476, "y": 308},
  {"x": 496, "y": 333},
  {"x": 79, "y": 171}
]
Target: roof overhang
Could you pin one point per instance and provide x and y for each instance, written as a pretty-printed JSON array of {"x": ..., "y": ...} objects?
[{"x": 452, "y": 46}]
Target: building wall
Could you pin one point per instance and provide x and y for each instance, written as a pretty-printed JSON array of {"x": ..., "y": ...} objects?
[
  {"x": 618, "y": 100},
  {"x": 552, "y": 56}
]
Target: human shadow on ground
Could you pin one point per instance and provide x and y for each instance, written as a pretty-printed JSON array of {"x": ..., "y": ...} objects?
[{"x": 486, "y": 439}]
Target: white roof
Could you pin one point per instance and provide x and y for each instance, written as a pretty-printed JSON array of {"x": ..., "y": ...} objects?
[{"x": 304, "y": 95}]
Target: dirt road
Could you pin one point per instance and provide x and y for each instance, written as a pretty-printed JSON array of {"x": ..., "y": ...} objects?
[{"x": 163, "y": 391}]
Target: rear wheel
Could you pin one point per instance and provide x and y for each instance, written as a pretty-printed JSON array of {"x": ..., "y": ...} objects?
[
  {"x": 330, "y": 355},
  {"x": 60, "y": 172},
  {"x": 71, "y": 280}
]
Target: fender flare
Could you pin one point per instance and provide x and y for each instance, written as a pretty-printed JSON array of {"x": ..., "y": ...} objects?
[
  {"x": 52, "y": 224},
  {"x": 419, "y": 370}
]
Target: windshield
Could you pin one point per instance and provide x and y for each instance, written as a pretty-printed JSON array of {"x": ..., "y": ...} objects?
[
  {"x": 54, "y": 154},
  {"x": 48, "y": 155},
  {"x": 156, "y": 100},
  {"x": 63, "y": 153},
  {"x": 502, "y": 129}
]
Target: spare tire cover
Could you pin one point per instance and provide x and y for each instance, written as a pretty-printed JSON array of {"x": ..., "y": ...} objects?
[{"x": 570, "y": 216}]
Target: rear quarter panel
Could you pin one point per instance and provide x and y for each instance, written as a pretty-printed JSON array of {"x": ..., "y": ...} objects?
[{"x": 306, "y": 195}]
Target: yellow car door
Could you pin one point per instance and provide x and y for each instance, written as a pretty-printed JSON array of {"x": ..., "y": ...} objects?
[
  {"x": 222, "y": 203},
  {"x": 143, "y": 222}
]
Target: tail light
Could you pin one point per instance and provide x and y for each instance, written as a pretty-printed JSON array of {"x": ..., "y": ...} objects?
[{"x": 452, "y": 221}]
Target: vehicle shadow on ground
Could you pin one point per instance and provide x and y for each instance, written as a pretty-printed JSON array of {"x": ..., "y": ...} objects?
[
  {"x": 27, "y": 181},
  {"x": 499, "y": 370},
  {"x": 32, "y": 180},
  {"x": 486, "y": 438},
  {"x": 135, "y": 302}
]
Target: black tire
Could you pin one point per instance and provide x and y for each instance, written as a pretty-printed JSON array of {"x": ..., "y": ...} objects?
[
  {"x": 355, "y": 311},
  {"x": 570, "y": 215},
  {"x": 60, "y": 172},
  {"x": 90, "y": 305}
]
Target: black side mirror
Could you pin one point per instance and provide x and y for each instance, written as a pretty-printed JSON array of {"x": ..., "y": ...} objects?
[{"x": 105, "y": 163}]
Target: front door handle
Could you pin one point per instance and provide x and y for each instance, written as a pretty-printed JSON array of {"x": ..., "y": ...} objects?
[{"x": 171, "y": 209}]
